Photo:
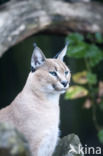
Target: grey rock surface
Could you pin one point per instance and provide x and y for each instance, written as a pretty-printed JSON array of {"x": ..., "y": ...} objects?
[{"x": 68, "y": 146}]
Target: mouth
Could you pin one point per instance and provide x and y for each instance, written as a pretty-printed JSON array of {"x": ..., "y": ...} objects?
[{"x": 60, "y": 89}]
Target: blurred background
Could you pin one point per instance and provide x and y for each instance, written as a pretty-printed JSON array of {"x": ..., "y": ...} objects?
[{"x": 82, "y": 106}]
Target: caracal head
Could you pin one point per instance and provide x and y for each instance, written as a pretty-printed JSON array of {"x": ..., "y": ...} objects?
[{"x": 52, "y": 76}]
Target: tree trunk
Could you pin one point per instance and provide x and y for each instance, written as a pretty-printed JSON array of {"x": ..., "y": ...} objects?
[{"x": 20, "y": 19}]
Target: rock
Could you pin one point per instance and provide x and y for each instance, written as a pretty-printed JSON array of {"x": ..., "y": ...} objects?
[
  {"x": 68, "y": 146},
  {"x": 12, "y": 142}
]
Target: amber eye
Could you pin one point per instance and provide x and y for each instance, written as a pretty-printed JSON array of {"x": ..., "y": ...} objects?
[
  {"x": 53, "y": 73},
  {"x": 66, "y": 72}
]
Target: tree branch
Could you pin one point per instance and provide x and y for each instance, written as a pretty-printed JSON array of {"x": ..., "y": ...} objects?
[{"x": 20, "y": 19}]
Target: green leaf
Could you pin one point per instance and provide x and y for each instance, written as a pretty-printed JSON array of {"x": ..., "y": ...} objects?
[
  {"x": 100, "y": 136},
  {"x": 80, "y": 77},
  {"x": 96, "y": 59},
  {"x": 94, "y": 54},
  {"x": 77, "y": 51},
  {"x": 76, "y": 45},
  {"x": 75, "y": 92},
  {"x": 98, "y": 37},
  {"x": 75, "y": 38},
  {"x": 80, "y": 49},
  {"x": 91, "y": 78},
  {"x": 92, "y": 51}
]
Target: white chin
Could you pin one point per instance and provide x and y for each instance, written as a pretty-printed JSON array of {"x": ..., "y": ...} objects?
[{"x": 61, "y": 91}]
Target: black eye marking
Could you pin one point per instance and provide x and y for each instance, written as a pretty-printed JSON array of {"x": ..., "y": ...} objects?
[
  {"x": 66, "y": 72},
  {"x": 53, "y": 73}
]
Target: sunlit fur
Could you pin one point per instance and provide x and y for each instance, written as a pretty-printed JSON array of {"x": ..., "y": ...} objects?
[{"x": 35, "y": 111}]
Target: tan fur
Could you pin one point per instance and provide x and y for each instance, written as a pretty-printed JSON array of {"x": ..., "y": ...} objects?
[{"x": 35, "y": 110}]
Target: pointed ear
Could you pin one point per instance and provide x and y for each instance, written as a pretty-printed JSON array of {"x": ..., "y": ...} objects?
[
  {"x": 62, "y": 53},
  {"x": 37, "y": 58}
]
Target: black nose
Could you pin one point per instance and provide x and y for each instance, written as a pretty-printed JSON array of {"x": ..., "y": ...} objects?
[{"x": 64, "y": 83}]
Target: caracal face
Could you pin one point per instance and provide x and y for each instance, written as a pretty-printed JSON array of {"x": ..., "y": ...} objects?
[{"x": 53, "y": 76}]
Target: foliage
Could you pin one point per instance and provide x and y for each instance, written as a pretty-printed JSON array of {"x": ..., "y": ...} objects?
[
  {"x": 84, "y": 77},
  {"x": 80, "y": 77},
  {"x": 80, "y": 49},
  {"x": 92, "y": 54},
  {"x": 99, "y": 37},
  {"x": 91, "y": 78},
  {"x": 76, "y": 92}
]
